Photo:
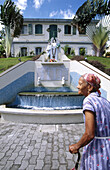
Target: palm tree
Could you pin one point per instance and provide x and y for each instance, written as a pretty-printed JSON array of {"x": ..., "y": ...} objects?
[
  {"x": 99, "y": 39},
  {"x": 13, "y": 21},
  {"x": 65, "y": 48},
  {"x": 90, "y": 10}
]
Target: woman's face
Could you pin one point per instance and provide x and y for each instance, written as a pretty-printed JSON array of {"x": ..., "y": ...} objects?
[{"x": 83, "y": 87}]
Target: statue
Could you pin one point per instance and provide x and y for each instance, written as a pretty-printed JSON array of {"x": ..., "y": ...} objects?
[
  {"x": 48, "y": 50},
  {"x": 53, "y": 48}
]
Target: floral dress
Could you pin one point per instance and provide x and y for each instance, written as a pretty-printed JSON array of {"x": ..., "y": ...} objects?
[{"x": 96, "y": 155}]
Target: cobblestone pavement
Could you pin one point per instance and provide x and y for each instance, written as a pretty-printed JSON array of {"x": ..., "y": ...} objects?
[{"x": 37, "y": 147}]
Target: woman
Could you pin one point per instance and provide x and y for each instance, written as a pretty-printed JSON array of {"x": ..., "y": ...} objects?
[{"x": 96, "y": 139}]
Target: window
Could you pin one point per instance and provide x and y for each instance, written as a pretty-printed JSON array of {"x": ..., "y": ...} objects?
[
  {"x": 23, "y": 51},
  {"x": 69, "y": 51},
  {"x": 67, "y": 29},
  {"x": 38, "y": 50},
  {"x": 38, "y": 29},
  {"x": 82, "y": 51},
  {"x": 30, "y": 29},
  {"x": 53, "y": 31},
  {"x": 24, "y": 29},
  {"x": 74, "y": 30}
]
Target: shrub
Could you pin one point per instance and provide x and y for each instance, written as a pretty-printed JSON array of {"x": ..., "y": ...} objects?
[
  {"x": 78, "y": 58},
  {"x": 35, "y": 57},
  {"x": 98, "y": 65},
  {"x": 107, "y": 71},
  {"x": 72, "y": 52},
  {"x": 108, "y": 54},
  {"x": 82, "y": 51}
]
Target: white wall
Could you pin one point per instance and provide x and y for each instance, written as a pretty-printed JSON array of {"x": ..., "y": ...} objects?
[
  {"x": 80, "y": 68},
  {"x": 32, "y": 41}
]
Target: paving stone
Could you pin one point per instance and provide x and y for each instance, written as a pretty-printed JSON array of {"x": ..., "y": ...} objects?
[
  {"x": 24, "y": 165},
  {"x": 47, "y": 159},
  {"x": 37, "y": 145},
  {"x": 9, "y": 152},
  {"x": 70, "y": 164},
  {"x": 47, "y": 167},
  {"x": 1, "y": 167},
  {"x": 5, "y": 149},
  {"x": 22, "y": 152},
  {"x": 33, "y": 147},
  {"x": 35, "y": 151},
  {"x": 18, "y": 148},
  {"x": 31, "y": 167},
  {"x": 40, "y": 164},
  {"x": 62, "y": 160},
  {"x": 18, "y": 160},
  {"x": 2, "y": 155},
  {"x": 13, "y": 156},
  {"x": 15, "y": 167},
  {"x": 43, "y": 148},
  {"x": 33, "y": 160},
  {"x": 27, "y": 156},
  {"x": 41, "y": 155},
  {"x": 55, "y": 165},
  {"x": 63, "y": 167},
  {"x": 4, "y": 160},
  {"x": 69, "y": 155},
  {"x": 8, "y": 165},
  {"x": 55, "y": 148},
  {"x": 54, "y": 155}
]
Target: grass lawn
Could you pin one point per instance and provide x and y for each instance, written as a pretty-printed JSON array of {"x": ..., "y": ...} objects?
[
  {"x": 102, "y": 60},
  {"x": 6, "y": 63}
]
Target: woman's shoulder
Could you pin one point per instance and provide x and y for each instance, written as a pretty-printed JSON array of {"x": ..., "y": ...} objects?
[{"x": 90, "y": 98}]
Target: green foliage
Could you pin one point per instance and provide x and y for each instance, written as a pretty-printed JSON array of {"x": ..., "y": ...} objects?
[
  {"x": 77, "y": 58},
  {"x": 99, "y": 39},
  {"x": 103, "y": 60},
  {"x": 65, "y": 48},
  {"x": 32, "y": 53},
  {"x": 108, "y": 54},
  {"x": 82, "y": 51},
  {"x": 11, "y": 17},
  {"x": 6, "y": 63},
  {"x": 2, "y": 51},
  {"x": 89, "y": 10},
  {"x": 72, "y": 52},
  {"x": 13, "y": 21},
  {"x": 98, "y": 65}
]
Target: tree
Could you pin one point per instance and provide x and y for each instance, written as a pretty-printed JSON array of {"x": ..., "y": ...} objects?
[
  {"x": 99, "y": 39},
  {"x": 91, "y": 9},
  {"x": 65, "y": 48},
  {"x": 13, "y": 21}
]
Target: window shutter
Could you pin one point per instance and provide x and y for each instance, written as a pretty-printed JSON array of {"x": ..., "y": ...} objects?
[
  {"x": 66, "y": 29},
  {"x": 30, "y": 29},
  {"x": 74, "y": 30},
  {"x": 38, "y": 29}
]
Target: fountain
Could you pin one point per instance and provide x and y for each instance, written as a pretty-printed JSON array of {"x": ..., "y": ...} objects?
[
  {"x": 52, "y": 99},
  {"x": 48, "y": 101}
]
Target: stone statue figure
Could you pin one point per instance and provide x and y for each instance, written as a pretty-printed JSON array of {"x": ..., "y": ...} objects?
[
  {"x": 53, "y": 49},
  {"x": 48, "y": 50}
]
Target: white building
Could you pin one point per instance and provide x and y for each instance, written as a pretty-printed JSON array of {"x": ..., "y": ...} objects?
[{"x": 37, "y": 32}]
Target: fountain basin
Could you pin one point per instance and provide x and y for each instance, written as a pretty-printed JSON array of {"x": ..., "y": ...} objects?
[
  {"x": 44, "y": 108},
  {"x": 48, "y": 101},
  {"x": 42, "y": 116}
]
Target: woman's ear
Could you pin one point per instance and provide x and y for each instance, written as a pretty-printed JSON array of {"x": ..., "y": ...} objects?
[{"x": 90, "y": 88}]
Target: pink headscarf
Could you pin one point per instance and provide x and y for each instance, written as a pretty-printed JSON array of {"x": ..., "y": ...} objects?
[{"x": 93, "y": 80}]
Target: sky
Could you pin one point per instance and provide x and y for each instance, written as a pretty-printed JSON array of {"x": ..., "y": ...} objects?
[{"x": 64, "y": 9}]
